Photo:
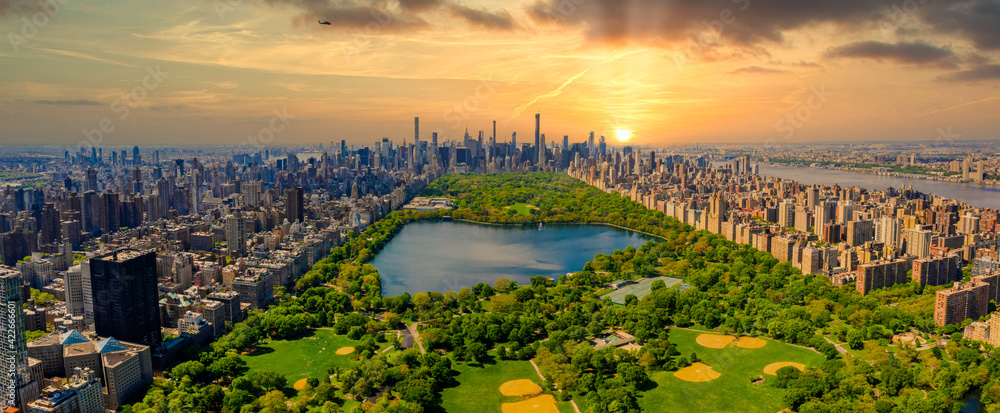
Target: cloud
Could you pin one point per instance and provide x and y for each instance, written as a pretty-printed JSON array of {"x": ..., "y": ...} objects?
[
  {"x": 20, "y": 7},
  {"x": 738, "y": 22},
  {"x": 420, "y": 5},
  {"x": 752, "y": 25},
  {"x": 484, "y": 18},
  {"x": 903, "y": 52},
  {"x": 168, "y": 108},
  {"x": 976, "y": 20},
  {"x": 71, "y": 102},
  {"x": 389, "y": 15},
  {"x": 756, "y": 70},
  {"x": 981, "y": 73},
  {"x": 371, "y": 16}
]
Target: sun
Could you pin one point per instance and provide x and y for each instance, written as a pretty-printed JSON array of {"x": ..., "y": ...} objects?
[{"x": 623, "y": 135}]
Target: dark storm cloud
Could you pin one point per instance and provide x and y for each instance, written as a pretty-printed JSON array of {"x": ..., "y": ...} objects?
[
  {"x": 484, "y": 18},
  {"x": 975, "y": 20},
  {"x": 77, "y": 102},
  {"x": 903, "y": 52},
  {"x": 981, "y": 73},
  {"x": 742, "y": 22},
  {"x": 757, "y": 23}
]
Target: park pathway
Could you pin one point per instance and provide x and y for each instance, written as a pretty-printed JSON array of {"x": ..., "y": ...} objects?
[
  {"x": 416, "y": 336},
  {"x": 539, "y": 372},
  {"x": 839, "y": 348}
]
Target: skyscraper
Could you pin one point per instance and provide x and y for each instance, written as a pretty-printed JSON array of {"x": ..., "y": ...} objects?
[
  {"x": 825, "y": 212},
  {"x": 417, "y": 159},
  {"x": 812, "y": 196},
  {"x": 18, "y": 388},
  {"x": 918, "y": 242},
  {"x": 888, "y": 230},
  {"x": 236, "y": 235},
  {"x": 293, "y": 204},
  {"x": 126, "y": 299},
  {"x": 163, "y": 191},
  {"x": 539, "y": 151}
]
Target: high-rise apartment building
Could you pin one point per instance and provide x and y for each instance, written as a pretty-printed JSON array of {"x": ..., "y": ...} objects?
[
  {"x": 125, "y": 295},
  {"x": 918, "y": 242},
  {"x": 237, "y": 232},
  {"x": 960, "y": 302}
]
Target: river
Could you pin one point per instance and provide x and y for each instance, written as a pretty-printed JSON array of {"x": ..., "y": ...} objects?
[{"x": 974, "y": 194}]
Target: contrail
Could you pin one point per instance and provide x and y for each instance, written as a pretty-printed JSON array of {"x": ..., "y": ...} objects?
[
  {"x": 939, "y": 110},
  {"x": 520, "y": 109}
]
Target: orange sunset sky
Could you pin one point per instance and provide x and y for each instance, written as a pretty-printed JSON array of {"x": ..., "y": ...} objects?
[{"x": 673, "y": 72}]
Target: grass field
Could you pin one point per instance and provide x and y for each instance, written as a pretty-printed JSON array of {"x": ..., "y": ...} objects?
[
  {"x": 732, "y": 391},
  {"x": 303, "y": 357},
  {"x": 479, "y": 387},
  {"x": 522, "y": 208}
]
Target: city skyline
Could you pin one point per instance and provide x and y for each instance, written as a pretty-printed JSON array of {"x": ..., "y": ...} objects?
[{"x": 745, "y": 72}]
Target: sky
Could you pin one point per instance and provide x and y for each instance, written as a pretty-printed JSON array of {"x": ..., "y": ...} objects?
[{"x": 757, "y": 72}]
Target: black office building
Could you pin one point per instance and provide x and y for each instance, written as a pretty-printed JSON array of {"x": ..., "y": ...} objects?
[
  {"x": 294, "y": 210},
  {"x": 126, "y": 299}
]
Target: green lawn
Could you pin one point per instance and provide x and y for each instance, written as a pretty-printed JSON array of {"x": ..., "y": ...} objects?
[
  {"x": 732, "y": 392},
  {"x": 479, "y": 387},
  {"x": 303, "y": 357},
  {"x": 522, "y": 208}
]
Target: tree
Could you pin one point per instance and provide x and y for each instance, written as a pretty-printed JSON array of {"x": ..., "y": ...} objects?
[
  {"x": 504, "y": 284},
  {"x": 855, "y": 339},
  {"x": 236, "y": 399},
  {"x": 477, "y": 351},
  {"x": 273, "y": 402},
  {"x": 828, "y": 350},
  {"x": 785, "y": 375},
  {"x": 658, "y": 285},
  {"x": 267, "y": 379},
  {"x": 227, "y": 367},
  {"x": 421, "y": 301},
  {"x": 191, "y": 369}
]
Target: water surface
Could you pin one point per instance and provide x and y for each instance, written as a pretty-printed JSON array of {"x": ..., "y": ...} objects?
[
  {"x": 446, "y": 256},
  {"x": 972, "y": 193}
]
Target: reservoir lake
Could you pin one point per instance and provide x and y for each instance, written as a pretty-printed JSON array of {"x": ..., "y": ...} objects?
[{"x": 429, "y": 256}]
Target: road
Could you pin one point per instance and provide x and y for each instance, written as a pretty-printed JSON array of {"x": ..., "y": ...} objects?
[{"x": 412, "y": 328}]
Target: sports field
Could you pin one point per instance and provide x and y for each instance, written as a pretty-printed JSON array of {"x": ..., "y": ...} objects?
[
  {"x": 640, "y": 288},
  {"x": 479, "y": 389},
  {"x": 734, "y": 365},
  {"x": 304, "y": 357},
  {"x": 522, "y": 208}
]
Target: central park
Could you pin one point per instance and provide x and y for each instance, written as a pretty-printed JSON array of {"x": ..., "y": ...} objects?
[{"x": 673, "y": 319}]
